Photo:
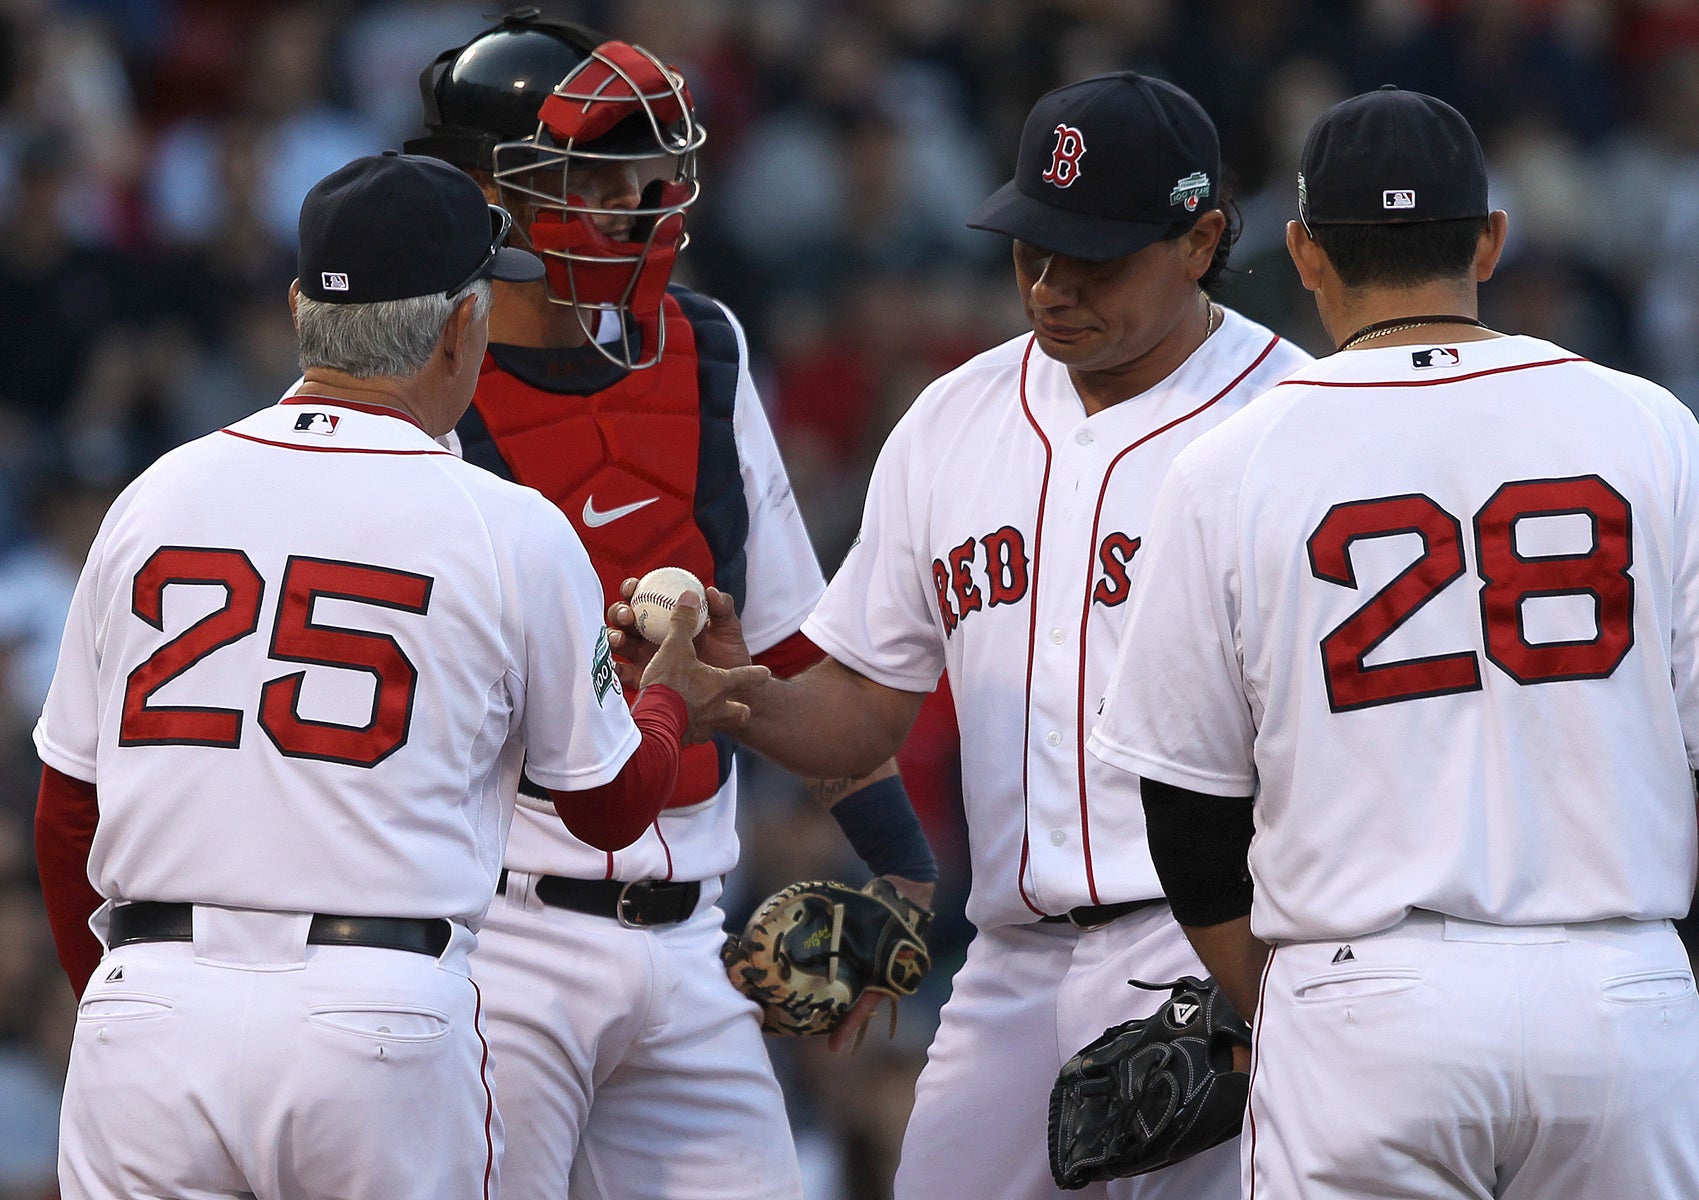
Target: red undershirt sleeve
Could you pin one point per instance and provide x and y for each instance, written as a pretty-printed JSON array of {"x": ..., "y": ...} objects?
[
  {"x": 790, "y": 657},
  {"x": 614, "y": 815},
  {"x": 66, "y": 813}
]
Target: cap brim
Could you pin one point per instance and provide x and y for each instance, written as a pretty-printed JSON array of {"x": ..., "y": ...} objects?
[
  {"x": 1012, "y": 212},
  {"x": 513, "y": 265}
]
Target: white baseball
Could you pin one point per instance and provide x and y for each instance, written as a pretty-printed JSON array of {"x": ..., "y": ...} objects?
[{"x": 657, "y": 595}]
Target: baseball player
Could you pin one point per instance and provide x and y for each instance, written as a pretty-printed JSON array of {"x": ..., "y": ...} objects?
[
  {"x": 628, "y": 1066},
  {"x": 1002, "y": 528},
  {"x": 1434, "y": 603},
  {"x": 303, "y": 665}
]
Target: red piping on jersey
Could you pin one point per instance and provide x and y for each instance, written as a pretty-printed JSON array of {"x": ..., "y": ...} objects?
[
  {"x": 1031, "y": 636},
  {"x": 669, "y": 850},
  {"x": 376, "y": 410},
  {"x": 1256, "y": 1057},
  {"x": 484, "y": 1078},
  {"x": 248, "y": 437},
  {"x": 1340, "y": 383},
  {"x": 656, "y": 826},
  {"x": 1085, "y": 609}
]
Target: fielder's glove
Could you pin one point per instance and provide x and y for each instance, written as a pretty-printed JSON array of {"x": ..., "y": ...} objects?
[
  {"x": 1151, "y": 1092},
  {"x": 812, "y": 949}
]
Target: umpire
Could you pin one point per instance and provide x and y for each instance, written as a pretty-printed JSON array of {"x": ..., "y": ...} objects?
[{"x": 302, "y": 667}]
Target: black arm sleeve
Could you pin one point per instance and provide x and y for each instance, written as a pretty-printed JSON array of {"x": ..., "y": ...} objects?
[{"x": 1199, "y": 844}]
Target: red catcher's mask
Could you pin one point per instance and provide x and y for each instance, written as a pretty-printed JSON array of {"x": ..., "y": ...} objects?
[{"x": 621, "y": 121}]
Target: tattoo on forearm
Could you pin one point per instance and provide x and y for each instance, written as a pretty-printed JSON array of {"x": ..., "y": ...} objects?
[{"x": 830, "y": 791}]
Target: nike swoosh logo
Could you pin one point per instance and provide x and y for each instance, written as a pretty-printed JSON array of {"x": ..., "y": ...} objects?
[{"x": 595, "y": 518}]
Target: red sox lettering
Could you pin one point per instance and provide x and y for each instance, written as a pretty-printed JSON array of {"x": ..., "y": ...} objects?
[
  {"x": 1116, "y": 556},
  {"x": 1003, "y": 573}
]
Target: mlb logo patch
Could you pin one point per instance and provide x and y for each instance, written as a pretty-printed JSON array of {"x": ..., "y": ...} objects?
[
  {"x": 1434, "y": 356},
  {"x": 323, "y": 424},
  {"x": 336, "y": 281},
  {"x": 1398, "y": 198}
]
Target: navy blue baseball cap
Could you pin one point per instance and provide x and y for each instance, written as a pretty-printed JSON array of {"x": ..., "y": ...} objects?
[
  {"x": 391, "y": 226},
  {"x": 1106, "y": 167},
  {"x": 1390, "y": 157}
]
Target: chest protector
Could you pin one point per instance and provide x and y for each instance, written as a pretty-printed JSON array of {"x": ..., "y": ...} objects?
[{"x": 644, "y": 463}]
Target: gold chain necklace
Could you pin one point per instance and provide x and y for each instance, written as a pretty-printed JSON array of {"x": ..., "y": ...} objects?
[{"x": 1403, "y": 324}]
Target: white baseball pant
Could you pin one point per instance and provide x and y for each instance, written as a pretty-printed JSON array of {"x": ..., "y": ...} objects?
[
  {"x": 627, "y": 1067},
  {"x": 249, "y": 1064},
  {"x": 1449, "y": 1060},
  {"x": 1027, "y": 999}
]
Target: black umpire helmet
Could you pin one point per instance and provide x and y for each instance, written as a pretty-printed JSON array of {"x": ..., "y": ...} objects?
[{"x": 489, "y": 90}]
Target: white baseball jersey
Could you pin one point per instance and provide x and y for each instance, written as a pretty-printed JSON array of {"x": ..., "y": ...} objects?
[
  {"x": 305, "y": 659},
  {"x": 1001, "y": 530},
  {"x": 700, "y": 841},
  {"x": 1439, "y": 607}
]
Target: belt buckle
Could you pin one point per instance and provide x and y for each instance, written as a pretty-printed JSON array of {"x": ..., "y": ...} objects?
[
  {"x": 630, "y": 922},
  {"x": 1086, "y": 926}
]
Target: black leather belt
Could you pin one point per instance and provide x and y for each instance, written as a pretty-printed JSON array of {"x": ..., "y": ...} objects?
[
  {"x": 152, "y": 921},
  {"x": 1091, "y": 916},
  {"x": 638, "y": 904}
]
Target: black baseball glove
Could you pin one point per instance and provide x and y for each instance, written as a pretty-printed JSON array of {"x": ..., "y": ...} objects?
[
  {"x": 812, "y": 949},
  {"x": 1151, "y": 1092}
]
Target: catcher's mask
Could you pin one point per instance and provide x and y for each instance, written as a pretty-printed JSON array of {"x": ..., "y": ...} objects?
[
  {"x": 621, "y": 110},
  {"x": 544, "y": 106}
]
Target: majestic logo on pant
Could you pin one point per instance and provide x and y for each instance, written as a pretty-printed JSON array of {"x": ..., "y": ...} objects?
[
  {"x": 1065, "y": 158},
  {"x": 1343, "y": 955}
]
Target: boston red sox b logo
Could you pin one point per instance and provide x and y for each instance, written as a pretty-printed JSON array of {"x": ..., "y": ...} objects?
[{"x": 1065, "y": 158}]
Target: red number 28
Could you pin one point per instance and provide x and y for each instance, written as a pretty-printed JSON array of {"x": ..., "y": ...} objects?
[
  {"x": 1508, "y": 578},
  {"x": 295, "y": 637}
]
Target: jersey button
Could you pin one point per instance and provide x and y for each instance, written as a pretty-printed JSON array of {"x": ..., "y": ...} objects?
[
  {"x": 1057, "y": 636},
  {"x": 1083, "y": 437},
  {"x": 1057, "y": 837},
  {"x": 1054, "y": 738}
]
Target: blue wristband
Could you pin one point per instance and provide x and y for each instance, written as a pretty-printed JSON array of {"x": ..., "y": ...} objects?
[{"x": 881, "y": 826}]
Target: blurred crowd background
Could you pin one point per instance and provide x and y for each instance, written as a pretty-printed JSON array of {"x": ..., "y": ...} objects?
[{"x": 153, "y": 154}]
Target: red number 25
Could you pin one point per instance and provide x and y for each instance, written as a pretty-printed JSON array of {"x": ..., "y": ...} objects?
[{"x": 295, "y": 637}]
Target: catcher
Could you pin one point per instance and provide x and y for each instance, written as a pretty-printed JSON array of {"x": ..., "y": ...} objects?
[{"x": 627, "y": 401}]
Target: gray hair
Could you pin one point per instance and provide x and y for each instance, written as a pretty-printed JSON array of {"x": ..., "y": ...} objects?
[{"x": 388, "y": 338}]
